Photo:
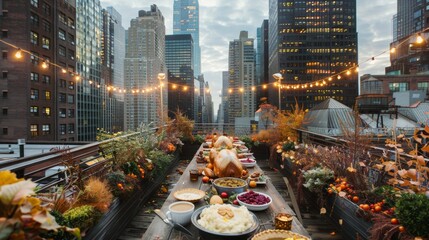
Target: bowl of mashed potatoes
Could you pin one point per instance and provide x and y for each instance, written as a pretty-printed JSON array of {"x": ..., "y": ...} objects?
[{"x": 225, "y": 221}]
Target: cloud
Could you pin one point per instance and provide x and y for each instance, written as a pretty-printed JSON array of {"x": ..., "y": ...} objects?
[{"x": 222, "y": 20}]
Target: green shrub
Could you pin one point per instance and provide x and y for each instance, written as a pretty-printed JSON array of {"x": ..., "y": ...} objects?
[
  {"x": 82, "y": 217},
  {"x": 413, "y": 213}
]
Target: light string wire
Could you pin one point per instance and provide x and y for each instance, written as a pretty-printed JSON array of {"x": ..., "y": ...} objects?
[{"x": 176, "y": 86}]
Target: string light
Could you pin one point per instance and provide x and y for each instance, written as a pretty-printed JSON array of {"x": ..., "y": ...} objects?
[
  {"x": 18, "y": 53},
  {"x": 44, "y": 65},
  {"x": 321, "y": 82}
]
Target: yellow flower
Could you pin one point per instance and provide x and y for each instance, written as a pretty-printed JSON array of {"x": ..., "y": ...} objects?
[{"x": 7, "y": 177}]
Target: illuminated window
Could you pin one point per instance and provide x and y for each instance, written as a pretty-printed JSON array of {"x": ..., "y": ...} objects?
[
  {"x": 46, "y": 79},
  {"x": 46, "y": 129},
  {"x": 61, "y": 34},
  {"x": 34, "y": 94},
  {"x": 45, "y": 42},
  {"x": 34, "y": 3},
  {"x": 34, "y": 129},
  {"x": 48, "y": 95},
  {"x": 34, "y": 110},
  {"x": 34, "y": 77},
  {"x": 34, "y": 38},
  {"x": 47, "y": 111}
]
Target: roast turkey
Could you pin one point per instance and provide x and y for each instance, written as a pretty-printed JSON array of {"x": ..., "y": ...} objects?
[{"x": 227, "y": 164}]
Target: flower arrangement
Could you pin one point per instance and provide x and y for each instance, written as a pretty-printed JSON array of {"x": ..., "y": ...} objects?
[
  {"x": 318, "y": 178},
  {"x": 22, "y": 215}
]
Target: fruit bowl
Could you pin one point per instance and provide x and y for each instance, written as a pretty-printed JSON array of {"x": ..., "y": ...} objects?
[{"x": 256, "y": 201}]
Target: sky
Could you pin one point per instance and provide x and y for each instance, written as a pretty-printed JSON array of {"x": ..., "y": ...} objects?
[{"x": 222, "y": 20}]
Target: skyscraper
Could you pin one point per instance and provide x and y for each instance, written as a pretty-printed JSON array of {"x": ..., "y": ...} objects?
[
  {"x": 225, "y": 103},
  {"x": 112, "y": 64},
  {"x": 242, "y": 76},
  {"x": 411, "y": 36},
  {"x": 262, "y": 61},
  {"x": 309, "y": 42},
  {"x": 186, "y": 20},
  {"x": 90, "y": 87},
  {"x": 179, "y": 61},
  {"x": 145, "y": 59},
  {"x": 38, "y": 100}
]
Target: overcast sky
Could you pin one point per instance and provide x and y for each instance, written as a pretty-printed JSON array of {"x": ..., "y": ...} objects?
[{"x": 222, "y": 20}]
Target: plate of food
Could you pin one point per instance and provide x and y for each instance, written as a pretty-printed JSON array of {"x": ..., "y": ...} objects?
[
  {"x": 258, "y": 177},
  {"x": 276, "y": 234},
  {"x": 189, "y": 194},
  {"x": 225, "y": 221}
]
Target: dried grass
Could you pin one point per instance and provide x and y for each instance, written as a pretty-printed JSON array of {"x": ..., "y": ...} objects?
[{"x": 97, "y": 194}]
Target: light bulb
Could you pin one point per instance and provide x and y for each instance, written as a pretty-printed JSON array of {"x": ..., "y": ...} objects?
[
  {"x": 18, "y": 53},
  {"x": 44, "y": 65}
]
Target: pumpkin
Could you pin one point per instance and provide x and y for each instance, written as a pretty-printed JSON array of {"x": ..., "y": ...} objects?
[
  {"x": 226, "y": 164},
  {"x": 223, "y": 142}
]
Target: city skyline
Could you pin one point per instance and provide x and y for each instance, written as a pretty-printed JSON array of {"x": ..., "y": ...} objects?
[{"x": 222, "y": 20}]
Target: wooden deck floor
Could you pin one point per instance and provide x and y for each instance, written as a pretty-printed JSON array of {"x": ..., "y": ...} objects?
[{"x": 319, "y": 227}]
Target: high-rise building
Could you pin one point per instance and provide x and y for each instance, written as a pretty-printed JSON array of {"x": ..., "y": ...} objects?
[
  {"x": 38, "y": 99},
  {"x": 225, "y": 104},
  {"x": 262, "y": 61},
  {"x": 309, "y": 42},
  {"x": 208, "y": 105},
  {"x": 186, "y": 20},
  {"x": 410, "y": 48},
  {"x": 91, "y": 86},
  {"x": 179, "y": 61},
  {"x": 242, "y": 78},
  {"x": 146, "y": 97},
  {"x": 112, "y": 65}
]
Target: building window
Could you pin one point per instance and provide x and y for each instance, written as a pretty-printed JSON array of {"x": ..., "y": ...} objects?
[
  {"x": 5, "y": 110},
  {"x": 63, "y": 129},
  {"x": 70, "y": 98},
  {"x": 62, "y": 113},
  {"x": 62, "y": 98},
  {"x": 4, "y": 54},
  {"x": 5, "y": 131},
  {"x": 46, "y": 129},
  {"x": 4, "y": 93},
  {"x": 34, "y": 77},
  {"x": 62, "y": 51},
  {"x": 34, "y": 130},
  {"x": 34, "y": 3},
  {"x": 71, "y": 128},
  {"x": 61, "y": 34},
  {"x": 46, "y": 9},
  {"x": 45, "y": 43},
  {"x": 70, "y": 113},
  {"x": 71, "y": 85},
  {"x": 424, "y": 86},
  {"x": 46, "y": 26},
  {"x": 34, "y": 94},
  {"x": 34, "y": 57},
  {"x": 399, "y": 87},
  {"x": 46, "y": 111},
  {"x": 34, "y": 19},
  {"x": 5, "y": 12},
  {"x": 70, "y": 23},
  {"x": 63, "y": 83},
  {"x": 62, "y": 18},
  {"x": 5, "y": 73},
  {"x": 46, "y": 79},
  {"x": 34, "y": 38},
  {"x": 48, "y": 95},
  {"x": 71, "y": 39},
  {"x": 4, "y": 33},
  {"x": 34, "y": 110},
  {"x": 71, "y": 54}
]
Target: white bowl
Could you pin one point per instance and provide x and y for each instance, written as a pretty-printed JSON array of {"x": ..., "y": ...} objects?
[
  {"x": 245, "y": 163},
  {"x": 254, "y": 207}
]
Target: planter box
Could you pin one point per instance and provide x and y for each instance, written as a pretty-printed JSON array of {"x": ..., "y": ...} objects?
[
  {"x": 122, "y": 211},
  {"x": 354, "y": 225},
  {"x": 262, "y": 151},
  {"x": 188, "y": 150}
]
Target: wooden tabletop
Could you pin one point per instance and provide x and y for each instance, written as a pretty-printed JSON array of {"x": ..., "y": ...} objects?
[{"x": 160, "y": 230}]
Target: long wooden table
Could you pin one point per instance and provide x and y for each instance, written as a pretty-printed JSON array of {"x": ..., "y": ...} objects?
[{"x": 160, "y": 230}]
